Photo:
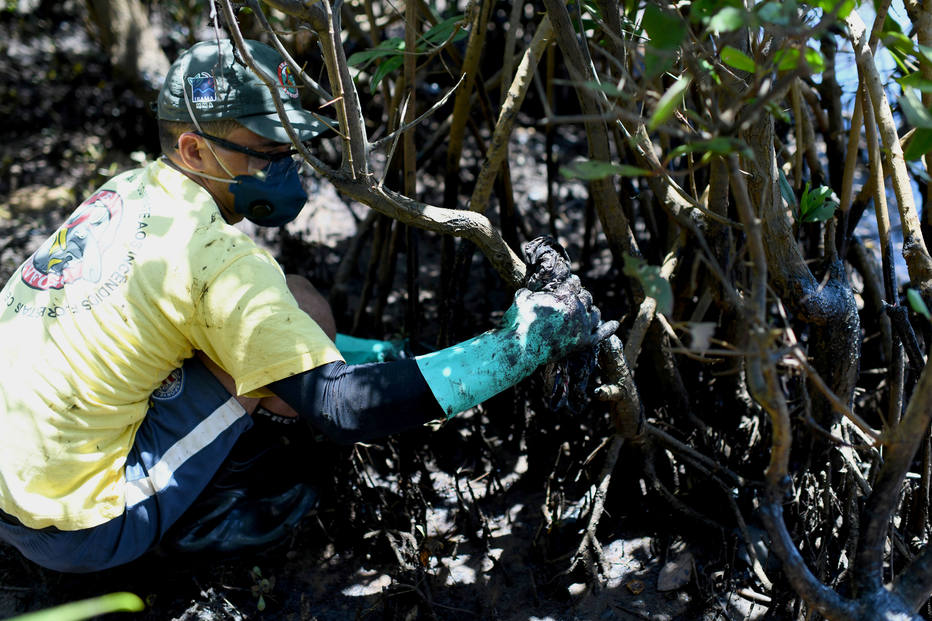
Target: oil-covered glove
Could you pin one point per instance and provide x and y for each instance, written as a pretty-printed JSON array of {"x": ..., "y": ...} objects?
[
  {"x": 565, "y": 381},
  {"x": 540, "y": 326},
  {"x": 557, "y": 323}
]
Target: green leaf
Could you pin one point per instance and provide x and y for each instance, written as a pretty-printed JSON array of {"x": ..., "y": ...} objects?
[
  {"x": 734, "y": 57},
  {"x": 721, "y": 145},
  {"x": 709, "y": 70},
  {"x": 669, "y": 102},
  {"x": 590, "y": 170},
  {"x": 787, "y": 191},
  {"x": 900, "y": 47},
  {"x": 655, "y": 286},
  {"x": 666, "y": 30},
  {"x": 925, "y": 51},
  {"x": 916, "y": 114},
  {"x": 814, "y": 59},
  {"x": 916, "y": 81},
  {"x": 606, "y": 87},
  {"x": 389, "y": 47},
  {"x": 704, "y": 11},
  {"x": 728, "y": 19},
  {"x": 777, "y": 12},
  {"x": 789, "y": 58},
  {"x": 844, "y": 7},
  {"x": 821, "y": 213},
  {"x": 778, "y": 111},
  {"x": 442, "y": 31},
  {"x": 87, "y": 608},
  {"x": 917, "y": 303},
  {"x": 817, "y": 205},
  {"x": 919, "y": 144},
  {"x": 786, "y": 59},
  {"x": 393, "y": 63}
]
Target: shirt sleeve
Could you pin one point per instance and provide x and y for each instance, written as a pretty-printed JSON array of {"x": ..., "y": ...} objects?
[
  {"x": 249, "y": 323},
  {"x": 362, "y": 402}
]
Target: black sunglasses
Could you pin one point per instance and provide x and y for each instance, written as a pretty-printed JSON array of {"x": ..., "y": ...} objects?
[{"x": 232, "y": 146}]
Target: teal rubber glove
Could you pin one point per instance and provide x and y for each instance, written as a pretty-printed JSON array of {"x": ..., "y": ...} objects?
[
  {"x": 356, "y": 350},
  {"x": 539, "y": 327}
]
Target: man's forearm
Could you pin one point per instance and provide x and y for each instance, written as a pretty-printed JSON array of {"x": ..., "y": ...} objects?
[{"x": 358, "y": 403}]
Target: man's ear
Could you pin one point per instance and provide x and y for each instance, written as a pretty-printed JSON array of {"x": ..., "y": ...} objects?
[{"x": 192, "y": 151}]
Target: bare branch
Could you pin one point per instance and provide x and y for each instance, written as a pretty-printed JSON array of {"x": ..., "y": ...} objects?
[{"x": 915, "y": 251}]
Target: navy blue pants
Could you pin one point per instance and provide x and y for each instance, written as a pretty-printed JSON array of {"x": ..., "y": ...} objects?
[{"x": 191, "y": 425}]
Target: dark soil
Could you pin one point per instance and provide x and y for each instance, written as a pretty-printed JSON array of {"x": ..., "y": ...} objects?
[{"x": 439, "y": 524}]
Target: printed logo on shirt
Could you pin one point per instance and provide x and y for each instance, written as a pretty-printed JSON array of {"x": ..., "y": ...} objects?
[
  {"x": 171, "y": 386},
  {"x": 286, "y": 78},
  {"x": 75, "y": 252}
]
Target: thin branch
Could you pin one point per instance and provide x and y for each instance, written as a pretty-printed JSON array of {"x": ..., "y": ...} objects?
[
  {"x": 902, "y": 443},
  {"x": 381, "y": 142},
  {"x": 498, "y": 146},
  {"x": 276, "y": 42},
  {"x": 918, "y": 261}
]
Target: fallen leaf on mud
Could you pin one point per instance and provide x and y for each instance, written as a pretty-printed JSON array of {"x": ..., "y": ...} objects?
[
  {"x": 635, "y": 586},
  {"x": 676, "y": 573}
]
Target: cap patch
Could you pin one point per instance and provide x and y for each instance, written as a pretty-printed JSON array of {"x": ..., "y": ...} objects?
[
  {"x": 286, "y": 78},
  {"x": 203, "y": 88}
]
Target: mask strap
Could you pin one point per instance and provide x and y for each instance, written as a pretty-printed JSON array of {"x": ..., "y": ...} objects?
[
  {"x": 195, "y": 172},
  {"x": 197, "y": 126}
]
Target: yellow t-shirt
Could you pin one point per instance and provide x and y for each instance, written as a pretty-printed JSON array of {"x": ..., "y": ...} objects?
[{"x": 142, "y": 274}]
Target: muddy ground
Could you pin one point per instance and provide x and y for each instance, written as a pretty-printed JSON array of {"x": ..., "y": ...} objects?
[{"x": 482, "y": 548}]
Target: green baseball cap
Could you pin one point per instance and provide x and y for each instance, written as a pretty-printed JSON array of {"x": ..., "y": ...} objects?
[{"x": 211, "y": 81}]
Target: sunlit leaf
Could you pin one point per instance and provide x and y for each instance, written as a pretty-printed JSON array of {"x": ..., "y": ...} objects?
[
  {"x": 899, "y": 46},
  {"x": 916, "y": 114},
  {"x": 734, "y": 57},
  {"x": 817, "y": 205},
  {"x": 916, "y": 81},
  {"x": 592, "y": 7},
  {"x": 919, "y": 144},
  {"x": 655, "y": 286},
  {"x": 843, "y": 7},
  {"x": 669, "y": 102},
  {"x": 87, "y": 608},
  {"x": 820, "y": 214},
  {"x": 786, "y": 59},
  {"x": 709, "y": 70},
  {"x": 728, "y": 19},
  {"x": 925, "y": 51},
  {"x": 917, "y": 303},
  {"x": 721, "y": 145},
  {"x": 590, "y": 170},
  {"x": 814, "y": 59}
]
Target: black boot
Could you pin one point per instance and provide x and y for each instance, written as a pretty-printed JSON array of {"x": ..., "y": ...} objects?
[{"x": 255, "y": 500}]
